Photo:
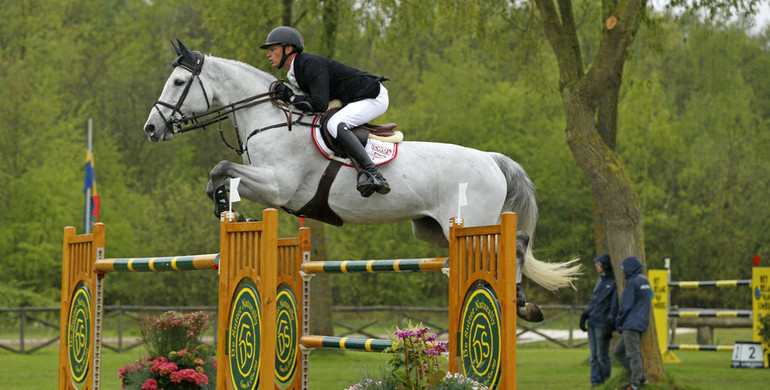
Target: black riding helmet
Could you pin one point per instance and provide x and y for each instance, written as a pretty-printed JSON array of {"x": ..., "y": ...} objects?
[{"x": 285, "y": 36}]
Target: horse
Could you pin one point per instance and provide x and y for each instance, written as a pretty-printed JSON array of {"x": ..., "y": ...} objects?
[{"x": 282, "y": 168}]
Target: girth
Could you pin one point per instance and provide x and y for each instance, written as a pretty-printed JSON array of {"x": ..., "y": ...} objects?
[{"x": 318, "y": 207}]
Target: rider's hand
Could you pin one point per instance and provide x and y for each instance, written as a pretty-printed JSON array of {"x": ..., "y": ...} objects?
[
  {"x": 582, "y": 323},
  {"x": 283, "y": 92}
]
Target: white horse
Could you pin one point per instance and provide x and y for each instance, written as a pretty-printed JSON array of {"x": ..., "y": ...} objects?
[{"x": 282, "y": 167}]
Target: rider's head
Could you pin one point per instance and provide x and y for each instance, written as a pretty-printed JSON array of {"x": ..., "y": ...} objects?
[{"x": 277, "y": 42}]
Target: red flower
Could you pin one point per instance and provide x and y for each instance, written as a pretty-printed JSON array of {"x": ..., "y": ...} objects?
[{"x": 150, "y": 384}]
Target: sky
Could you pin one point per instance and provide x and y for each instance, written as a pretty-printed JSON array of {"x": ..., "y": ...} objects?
[{"x": 762, "y": 17}]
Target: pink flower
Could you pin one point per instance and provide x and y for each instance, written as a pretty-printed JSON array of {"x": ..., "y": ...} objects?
[
  {"x": 166, "y": 368},
  {"x": 188, "y": 374},
  {"x": 200, "y": 378},
  {"x": 150, "y": 384},
  {"x": 157, "y": 363}
]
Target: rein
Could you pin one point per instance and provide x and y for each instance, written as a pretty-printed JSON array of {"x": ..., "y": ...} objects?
[{"x": 217, "y": 115}]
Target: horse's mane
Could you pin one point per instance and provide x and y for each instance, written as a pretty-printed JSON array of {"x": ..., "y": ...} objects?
[{"x": 248, "y": 68}]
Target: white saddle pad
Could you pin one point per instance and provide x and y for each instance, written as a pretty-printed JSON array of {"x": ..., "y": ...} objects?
[{"x": 380, "y": 152}]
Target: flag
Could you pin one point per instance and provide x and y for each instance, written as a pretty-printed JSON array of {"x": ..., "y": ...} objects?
[
  {"x": 234, "y": 195},
  {"x": 90, "y": 176},
  {"x": 95, "y": 200},
  {"x": 461, "y": 199},
  {"x": 89, "y": 187}
]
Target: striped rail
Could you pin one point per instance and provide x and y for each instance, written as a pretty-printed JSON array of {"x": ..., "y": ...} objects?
[
  {"x": 375, "y": 266},
  {"x": 711, "y": 283},
  {"x": 159, "y": 264},
  {"x": 699, "y": 347},
  {"x": 710, "y": 313},
  {"x": 346, "y": 343}
]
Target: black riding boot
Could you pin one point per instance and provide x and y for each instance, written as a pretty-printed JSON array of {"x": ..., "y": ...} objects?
[{"x": 369, "y": 178}]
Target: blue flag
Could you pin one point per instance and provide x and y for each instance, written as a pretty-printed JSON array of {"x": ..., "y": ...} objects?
[
  {"x": 90, "y": 176},
  {"x": 90, "y": 184}
]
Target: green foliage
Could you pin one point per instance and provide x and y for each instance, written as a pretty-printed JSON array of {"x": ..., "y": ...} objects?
[{"x": 691, "y": 133}]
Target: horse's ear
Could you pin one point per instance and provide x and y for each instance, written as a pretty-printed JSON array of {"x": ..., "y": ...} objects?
[
  {"x": 187, "y": 55},
  {"x": 178, "y": 50}
]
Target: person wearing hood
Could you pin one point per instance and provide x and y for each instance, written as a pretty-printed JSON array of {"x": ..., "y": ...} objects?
[
  {"x": 597, "y": 319},
  {"x": 632, "y": 319}
]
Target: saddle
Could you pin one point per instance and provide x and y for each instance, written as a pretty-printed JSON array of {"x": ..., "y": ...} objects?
[
  {"x": 318, "y": 207},
  {"x": 363, "y": 132}
]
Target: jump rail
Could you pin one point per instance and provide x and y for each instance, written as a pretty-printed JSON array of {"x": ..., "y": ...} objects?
[
  {"x": 264, "y": 302},
  {"x": 662, "y": 286}
]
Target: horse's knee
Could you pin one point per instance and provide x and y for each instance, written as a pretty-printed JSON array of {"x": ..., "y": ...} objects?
[{"x": 210, "y": 189}]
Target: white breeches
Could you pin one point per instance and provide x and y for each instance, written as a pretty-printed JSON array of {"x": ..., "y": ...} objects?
[{"x": 360, "y": 112}]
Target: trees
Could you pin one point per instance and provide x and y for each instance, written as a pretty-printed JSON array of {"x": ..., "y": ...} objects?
[{"x": 590, "y": 97}]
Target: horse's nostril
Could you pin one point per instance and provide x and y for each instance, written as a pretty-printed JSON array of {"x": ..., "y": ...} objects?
[{"x": 149, "y": 129}]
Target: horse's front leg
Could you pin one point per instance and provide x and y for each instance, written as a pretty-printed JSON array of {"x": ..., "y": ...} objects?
[{"x": 257, "y": 184}]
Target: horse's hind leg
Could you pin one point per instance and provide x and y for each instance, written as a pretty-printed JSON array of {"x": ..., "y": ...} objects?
[{"x": 525, "y": 310}]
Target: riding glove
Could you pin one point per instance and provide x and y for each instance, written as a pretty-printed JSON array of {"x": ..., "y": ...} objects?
[{"x": 283, "y": 92}]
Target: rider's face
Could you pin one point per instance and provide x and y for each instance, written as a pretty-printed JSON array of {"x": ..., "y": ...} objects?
[{"x": 275, "y": 53}]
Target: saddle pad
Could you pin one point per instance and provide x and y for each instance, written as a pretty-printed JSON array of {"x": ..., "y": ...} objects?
[{"x": 380, "y": 152}]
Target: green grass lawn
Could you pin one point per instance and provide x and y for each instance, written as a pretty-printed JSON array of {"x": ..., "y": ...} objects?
[{"x": 538, "y": 368}]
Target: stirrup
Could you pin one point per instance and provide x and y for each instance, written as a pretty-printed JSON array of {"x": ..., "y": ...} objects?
[{"x": 374, "y": 182}]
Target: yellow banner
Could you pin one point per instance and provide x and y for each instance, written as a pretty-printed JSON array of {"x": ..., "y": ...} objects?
[{"x": 760, "y": 293}]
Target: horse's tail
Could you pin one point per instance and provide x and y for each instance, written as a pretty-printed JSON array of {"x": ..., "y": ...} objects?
[{"x": 520, "y": 198}]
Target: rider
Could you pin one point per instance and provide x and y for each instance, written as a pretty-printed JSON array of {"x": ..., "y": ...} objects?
[{"x": 323, "y": 79}]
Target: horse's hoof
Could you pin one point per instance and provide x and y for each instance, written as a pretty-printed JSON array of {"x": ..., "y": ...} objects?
[
  {"x": 530, "y": 312},
  {"x": 220, "y": 201}
]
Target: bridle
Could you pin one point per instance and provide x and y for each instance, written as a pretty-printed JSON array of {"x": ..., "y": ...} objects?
[
  {"x": 180, "y": 125},
  {"x": 176, "y": 124}
]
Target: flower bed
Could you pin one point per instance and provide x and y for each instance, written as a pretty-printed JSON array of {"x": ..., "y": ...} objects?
[{"x": 177, "y": 359}]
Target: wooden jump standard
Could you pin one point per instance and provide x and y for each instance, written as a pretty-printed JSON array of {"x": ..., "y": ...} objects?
[{"x": 263, "y": 316}]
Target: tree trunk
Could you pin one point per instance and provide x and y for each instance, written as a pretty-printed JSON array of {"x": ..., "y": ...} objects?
[{"x": 590, "y": 100}]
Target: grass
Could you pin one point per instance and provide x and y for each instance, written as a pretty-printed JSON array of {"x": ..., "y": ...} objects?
[{"x": 538, "y": 368}]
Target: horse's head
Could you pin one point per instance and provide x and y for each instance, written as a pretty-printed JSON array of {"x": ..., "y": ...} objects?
[{"x": 181, "y": 96}]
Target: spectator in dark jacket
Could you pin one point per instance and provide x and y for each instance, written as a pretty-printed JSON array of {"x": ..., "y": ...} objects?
[
  {"x": 632, "y": 320},
  {"x": 598, "y": 320}
]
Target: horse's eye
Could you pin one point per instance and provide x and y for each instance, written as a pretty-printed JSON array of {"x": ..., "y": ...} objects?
[{"x": 178, "y": 82}]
